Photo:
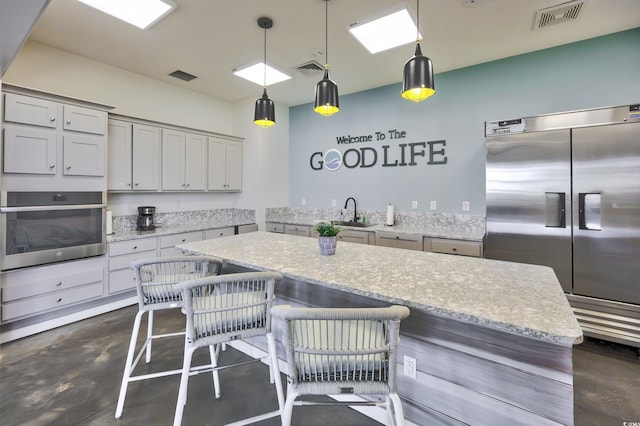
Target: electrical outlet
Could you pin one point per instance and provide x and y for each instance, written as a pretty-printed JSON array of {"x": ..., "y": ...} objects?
[
  {"x": 466, "y": 206},
  {"x": 433, "y": 205},
  {"x": 410, "y": 367},
  {"x": 333, "y": 203},
  {"x": 414, "y": 205},
  {"x": 303, "y": 202}
]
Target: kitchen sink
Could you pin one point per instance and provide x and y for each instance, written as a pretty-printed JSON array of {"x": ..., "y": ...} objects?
[{"x": 354, "y": 224}]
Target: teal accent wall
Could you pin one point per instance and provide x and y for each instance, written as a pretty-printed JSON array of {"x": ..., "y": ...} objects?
[{"x": 593, "y": 73}]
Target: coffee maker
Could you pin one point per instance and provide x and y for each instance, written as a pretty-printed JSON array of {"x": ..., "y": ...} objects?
[{"x": 145, "y": 218}]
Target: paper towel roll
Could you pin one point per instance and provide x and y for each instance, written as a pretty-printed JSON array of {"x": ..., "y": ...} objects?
[
  {"x": 390, "y": 219},
  {"x": 109, "y": 220}
]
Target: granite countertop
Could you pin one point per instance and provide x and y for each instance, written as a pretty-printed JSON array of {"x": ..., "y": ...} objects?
[
  {"x": 171, "y": 229},
  {"x": 408, "y": 229},
  {"x": 516, "y": 298}
]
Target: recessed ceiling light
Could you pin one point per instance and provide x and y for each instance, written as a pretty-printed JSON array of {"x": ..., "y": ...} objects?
[
  {"x": 255, "y": 74},
  {"x": 385, "y": 33},
  {"x": 141, "y": 13}
]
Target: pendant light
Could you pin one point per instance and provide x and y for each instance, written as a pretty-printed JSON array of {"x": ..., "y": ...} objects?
[
  {"x": 326, "y": 90},
  {"x": 417, "y": 84},
  {"x": 265, "y": 113}
]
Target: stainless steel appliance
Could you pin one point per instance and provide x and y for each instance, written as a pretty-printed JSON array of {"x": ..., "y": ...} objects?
[
  {"x": 563, "y": 190},
  {"x": 45, "y": 227},
  {"x": 145, "y": 220}
]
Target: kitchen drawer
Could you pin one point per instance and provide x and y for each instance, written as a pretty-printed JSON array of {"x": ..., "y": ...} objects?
[
  {"x": 123, "y": 261},
  {"x": 121, "y": 280},
  {"x": 243, "y": 229},
  {"x": 31, "y": 282},
  {"x": 358, "y": 237},
  {"x": 219, "y": 232},
  {"x": 299, "y": 230},
  {"x": 86, "y": 120},
  {"x": 390, "y": 239},
  {"x": 465, "y": 248},
  {"x": 35, "y": 305},
  {"x": 28, "y": 110},
  {"x": 275, "y": 227},
  {"x": 187, "y": 237},
  {"x": 132, "y": 246}
]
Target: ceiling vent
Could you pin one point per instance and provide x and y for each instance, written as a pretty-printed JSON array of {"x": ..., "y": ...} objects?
[
  {"x": 558, "y": 14},
  {"x": 184, "y": 76},
  {"x": 311, "y": 68}
]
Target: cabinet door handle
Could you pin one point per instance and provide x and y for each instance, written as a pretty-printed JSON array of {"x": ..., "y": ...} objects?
[
  {"x": 184, "y": 239},
  {"x": 52, "y": 166},
  {"x": 68, "y": 167},
  {"x": 68, "y": 121},
  {"x": 52, "y": 118},
  {"x": 136, "y": 184}
]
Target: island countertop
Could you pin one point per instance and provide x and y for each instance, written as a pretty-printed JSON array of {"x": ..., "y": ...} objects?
[{"x": 522, "y": 299}]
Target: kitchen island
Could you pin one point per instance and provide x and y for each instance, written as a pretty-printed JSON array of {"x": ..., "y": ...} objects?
[{"x": 493, "y": 340}]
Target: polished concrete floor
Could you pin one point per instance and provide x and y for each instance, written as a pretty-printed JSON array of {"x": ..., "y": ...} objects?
[{"x": 71, "y": 376}]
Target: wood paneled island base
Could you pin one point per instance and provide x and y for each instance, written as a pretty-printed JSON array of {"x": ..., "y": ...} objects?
[{"x": 482, "y": 359}]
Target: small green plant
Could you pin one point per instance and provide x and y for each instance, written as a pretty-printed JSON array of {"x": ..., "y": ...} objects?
[{"x": 326, "y": 229}]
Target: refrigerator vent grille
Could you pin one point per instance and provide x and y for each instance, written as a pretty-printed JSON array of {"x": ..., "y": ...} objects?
[{"x": 564, "y": 12}]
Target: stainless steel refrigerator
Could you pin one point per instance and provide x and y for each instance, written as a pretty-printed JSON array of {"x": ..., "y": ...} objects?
[{"x": 563, "y": 190}]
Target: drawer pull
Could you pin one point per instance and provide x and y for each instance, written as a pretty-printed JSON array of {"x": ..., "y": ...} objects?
[
  {"x": 454, "y": 249},
  {"x": 59, "y": 283},
  {"x": 135, "y": 247},
  {"x": 184, "y": 239},
  {"x": 59, "y": 300}
]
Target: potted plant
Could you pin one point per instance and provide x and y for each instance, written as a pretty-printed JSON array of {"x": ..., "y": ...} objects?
[{"x": 327, "y": 237}]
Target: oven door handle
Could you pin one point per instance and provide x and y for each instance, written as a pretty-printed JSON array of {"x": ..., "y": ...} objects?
[{"x": 49, "y": 208}]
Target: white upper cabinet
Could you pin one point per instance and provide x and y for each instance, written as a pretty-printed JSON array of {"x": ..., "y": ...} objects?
[
  {"x": 28, "y": 110},
  {"x": 225, "y": 165},
  {"x": 184, "y": 157},
  {"x": 134, "y": 156},
  {"x": 35, "y": 143}
]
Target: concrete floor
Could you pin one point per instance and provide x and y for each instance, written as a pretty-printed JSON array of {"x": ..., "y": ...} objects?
[{"x": 71, "y": 376}]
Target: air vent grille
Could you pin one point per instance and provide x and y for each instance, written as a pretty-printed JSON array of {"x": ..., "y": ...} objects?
[
  {"x": 185, "y": 76},
  {"x": 564, "y": 12},
  {"x": 310, "y": 68}
]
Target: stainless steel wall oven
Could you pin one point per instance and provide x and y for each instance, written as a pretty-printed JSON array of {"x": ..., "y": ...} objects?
[{"x": 46, "y": 227}]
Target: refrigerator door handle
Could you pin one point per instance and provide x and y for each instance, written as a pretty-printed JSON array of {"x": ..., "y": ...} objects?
[
  {"x": 555, "y": 210},
  {"x": 589, "y": 213}
]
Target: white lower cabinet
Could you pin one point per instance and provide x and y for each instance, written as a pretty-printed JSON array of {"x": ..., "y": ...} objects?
[
  {"x": 464, "y": 248},
  {"x": 34, "y": 291},
  {"x": 121, "y": 254}
]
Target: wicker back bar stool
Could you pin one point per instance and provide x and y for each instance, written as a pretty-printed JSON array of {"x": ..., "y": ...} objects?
[
  {"x": 342, "y": 351},
  {"x": 155, "y": 279},
  {"x": 222, "y": 309}
]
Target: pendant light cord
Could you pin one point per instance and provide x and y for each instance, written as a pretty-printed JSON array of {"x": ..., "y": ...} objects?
[
  {"x": 326, "y": 32},
  {"x": 265, "y": 58},
  {"x": 417, "y": 21}
]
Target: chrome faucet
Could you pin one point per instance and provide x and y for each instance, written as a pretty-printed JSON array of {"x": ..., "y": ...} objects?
[{"x": 355, "y": 208}]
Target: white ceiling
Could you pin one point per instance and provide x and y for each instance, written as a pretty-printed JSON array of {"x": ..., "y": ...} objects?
[{"x": 209, "y": 38}]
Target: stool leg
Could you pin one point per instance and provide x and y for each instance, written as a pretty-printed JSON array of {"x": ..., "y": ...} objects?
[
  {"x": 127, "y": 366},
  {"x": 213, "y": 354},
  {"x": 149, "y": 336},
  {"x": 397, "y": 408},
  {"x": 184, "y": 383},
  {"x": 288, "y": 408},
  {"x": 275, "y": 371}
]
